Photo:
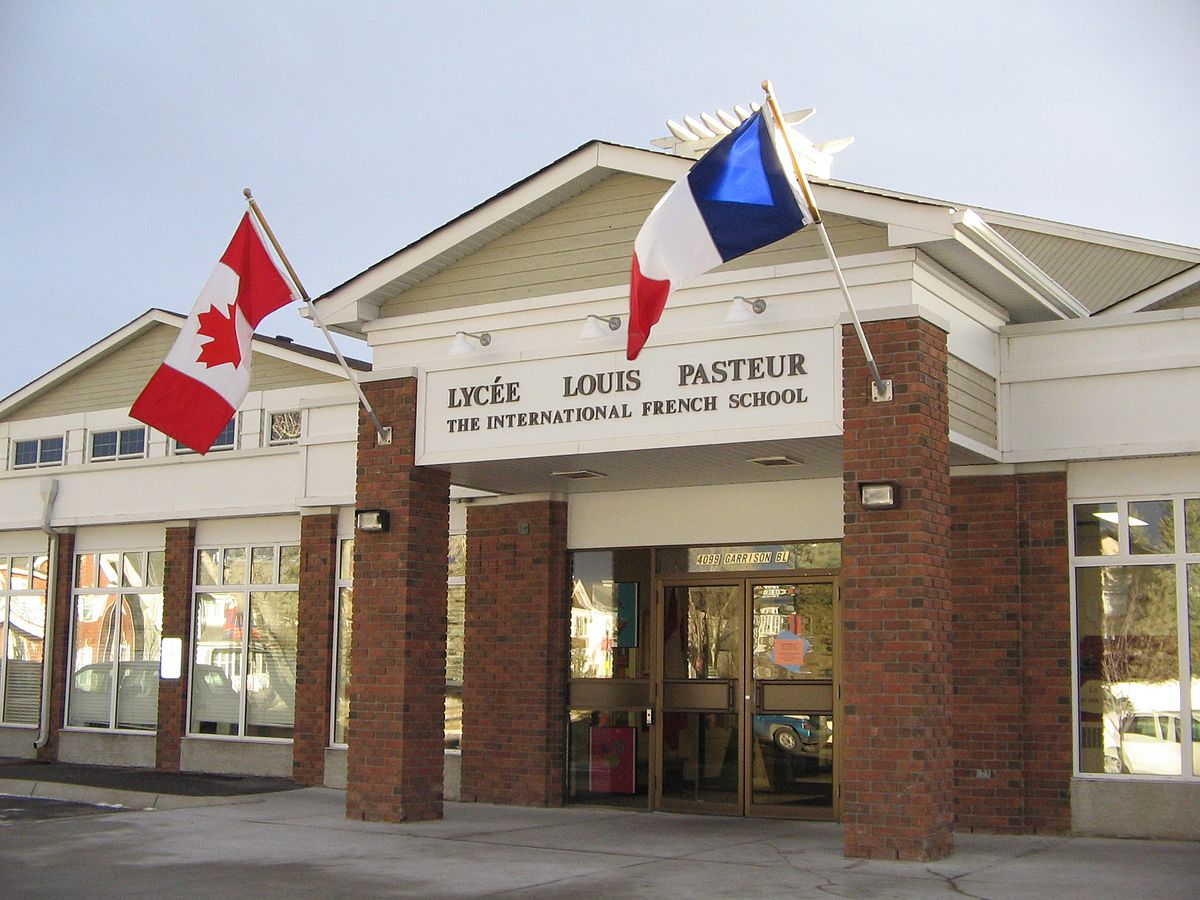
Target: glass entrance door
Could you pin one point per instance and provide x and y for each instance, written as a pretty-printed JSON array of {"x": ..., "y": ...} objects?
[
  {"x": 744, "y": 697},
  {"x": 700, "y": 689}
]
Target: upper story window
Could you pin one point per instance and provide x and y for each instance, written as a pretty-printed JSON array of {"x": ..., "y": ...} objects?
[
  {"x": 285, "y": 427},
  {"x": 47, "y": 451},
  {"x": 126, "y": 443},
  {"x": 226, "y": 440}
]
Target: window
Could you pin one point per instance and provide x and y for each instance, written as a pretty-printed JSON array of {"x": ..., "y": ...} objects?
[
  {"x": 225, "y": 440},
  {"x": 46, "y": 451},
  {"x": 345, "y": 622},
  {"x": 285, "y": 427},
  {"x": 1136, "y": 566},
  {"x": 456, "y": 590},
  {"x": 116, "y": 640},
  {"x": 23, "y": 631},
  {"x": 127, "y": 443},
  {"x": 244, "y": 641}
]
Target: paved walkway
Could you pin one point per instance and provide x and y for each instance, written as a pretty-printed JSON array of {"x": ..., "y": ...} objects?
[{"x": 298, "y": 843}]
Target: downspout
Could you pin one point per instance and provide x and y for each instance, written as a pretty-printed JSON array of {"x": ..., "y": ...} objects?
[{"x": 49, "y": 493}]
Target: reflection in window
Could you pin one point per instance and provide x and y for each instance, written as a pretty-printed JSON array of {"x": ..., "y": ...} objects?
[
  {"x": 1138, "y": 676},
  {"x": 1096, "y": 529},
  {"x": 1152, "y": 526},
  {"x": 609, "y": 613},
  {"x": 116, "y": 638},
  {"x": 1128, "y": 665},
  {"x": 345, "y": 622},
  {"x": 244, "y": 651},
  {"x": 23, "y": 633}
]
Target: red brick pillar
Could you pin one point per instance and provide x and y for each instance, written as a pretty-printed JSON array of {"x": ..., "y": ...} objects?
[
  {"x": 314, "y": 651},
  {"x": 897, "y": 776},
  {"x": 398, "y": 662},
  {"x": 60, "y": 628},
  {"x": 1046, "y": 718},
  {"x": 515, "y": 660},
  {"x": 180, "y": 555},
  {"x": 989, "y": 771}
]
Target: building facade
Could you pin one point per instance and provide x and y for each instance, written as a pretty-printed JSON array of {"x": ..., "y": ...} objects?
[{"x": 727, "y": 577}]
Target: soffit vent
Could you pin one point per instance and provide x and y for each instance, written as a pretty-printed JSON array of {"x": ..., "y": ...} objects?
[
  {"x": 578, "y": 474},
  {"x": 771, "y": 462}
]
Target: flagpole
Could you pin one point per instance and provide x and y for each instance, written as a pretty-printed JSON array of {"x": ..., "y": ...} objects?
[
  {"x": 883, "y": 389},
  {"x": 382, "y": 433}
]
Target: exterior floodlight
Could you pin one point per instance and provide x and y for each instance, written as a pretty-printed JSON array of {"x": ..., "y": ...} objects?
[
  {"x": 879, "y": 495},
  {"x": 374, "y": 520},
  {"x": 743, "y": 310},
  {"x": 461, "y": 346},
  {"x": 593, "y": 329}
]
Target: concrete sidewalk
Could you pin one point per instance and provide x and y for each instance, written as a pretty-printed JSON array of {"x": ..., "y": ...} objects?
[{"x": 299, "y": 844}]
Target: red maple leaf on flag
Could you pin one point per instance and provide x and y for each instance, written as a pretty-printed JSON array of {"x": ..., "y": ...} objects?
[{"x": 224, "y": 346}]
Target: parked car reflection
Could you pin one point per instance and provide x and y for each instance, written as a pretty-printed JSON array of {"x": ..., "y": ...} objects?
[{"x": 793, "y": 733}]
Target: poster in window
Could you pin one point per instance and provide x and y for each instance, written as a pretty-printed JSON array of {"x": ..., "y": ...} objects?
[
  {"x": 627, "y": 614},
  {"x": 613, "y": 754}
]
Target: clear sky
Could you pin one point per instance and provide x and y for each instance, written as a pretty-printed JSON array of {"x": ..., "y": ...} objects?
[{"x": 128, "y": 128}]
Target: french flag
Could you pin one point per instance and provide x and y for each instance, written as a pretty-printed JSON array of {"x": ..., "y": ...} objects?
[{"x": 737, "y": 198}]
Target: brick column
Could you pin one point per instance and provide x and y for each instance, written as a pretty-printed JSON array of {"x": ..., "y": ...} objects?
[
  {"x": 515, "y": 659},
  {"x": 314, "y": 651},
  {"x": 897, "y": 775},
  {"x": 60, "y": 628},
  {"x": 180, "y": 555},
  {"x": 1046, "y": 719},
  {"x": 989, "y": 771},
  {"x": 398, "y": 662}
]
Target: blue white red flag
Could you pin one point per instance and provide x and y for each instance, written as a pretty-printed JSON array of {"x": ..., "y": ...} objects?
[{"x": 738, "y": 197}]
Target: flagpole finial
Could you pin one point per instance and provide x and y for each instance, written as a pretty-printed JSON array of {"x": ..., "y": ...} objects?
[
  {"x": 766, "y": 85},
  {"x": 246, "y": 193}
]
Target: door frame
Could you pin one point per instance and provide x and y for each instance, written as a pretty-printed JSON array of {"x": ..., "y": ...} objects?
[{"x": 746, "y": 694}]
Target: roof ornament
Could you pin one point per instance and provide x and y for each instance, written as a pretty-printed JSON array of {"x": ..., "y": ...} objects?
[{"x": 695, "y": 136}]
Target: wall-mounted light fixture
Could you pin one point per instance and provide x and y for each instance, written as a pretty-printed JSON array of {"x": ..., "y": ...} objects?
[
  {"x": 593, "y": 329},
  {"x": 744, "y": 310},
  {"x": 462, "y": 346},
  {"x": 170, "y": 658},
  {"x": 879, "y": 495},
  {"x": 371, "y": 519}
]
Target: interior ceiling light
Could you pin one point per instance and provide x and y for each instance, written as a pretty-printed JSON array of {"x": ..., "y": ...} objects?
[{"x": 773, "y": 461}]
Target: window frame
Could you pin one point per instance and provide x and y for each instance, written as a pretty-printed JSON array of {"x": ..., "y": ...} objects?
[
  {"x": 7, "y": 593},
  {"x": 230, "y": 444},
  {"x": 1128, "y": 556},
  {"x": 40, "y": 461},
  {"x": 121, "y": 590},
  {"x": 272, "y": 441},
  {"x": 247, "y": 587},
  {"x": 118, "y": 435}
]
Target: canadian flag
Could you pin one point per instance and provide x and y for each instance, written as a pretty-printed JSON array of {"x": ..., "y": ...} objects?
[{"x": 195, "y": 392}]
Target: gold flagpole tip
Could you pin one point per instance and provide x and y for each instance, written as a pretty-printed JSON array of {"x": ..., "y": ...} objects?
[{"x": 766, "y": 85}]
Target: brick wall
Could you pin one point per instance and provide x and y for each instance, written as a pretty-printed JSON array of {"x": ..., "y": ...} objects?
[
  {"x": 897, "y": 776},
  {"x": 180, "y": 554},
  {"x": 64, "y": 564},
  {"x": 314, "y": 651},
  {"x": 1012, "y": 654},
  {"x": 515, "y": 661},
  {"x": 989, "y": 772},
  {"x": 398, "y": 662},
  {"x": 1046, "y": 717}
]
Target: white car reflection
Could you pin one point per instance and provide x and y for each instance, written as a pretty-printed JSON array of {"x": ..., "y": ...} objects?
[{"x": 1151, "y": 743}]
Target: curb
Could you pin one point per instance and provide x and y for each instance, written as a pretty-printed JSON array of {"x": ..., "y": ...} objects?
[{"x": 102, "y": 796}]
